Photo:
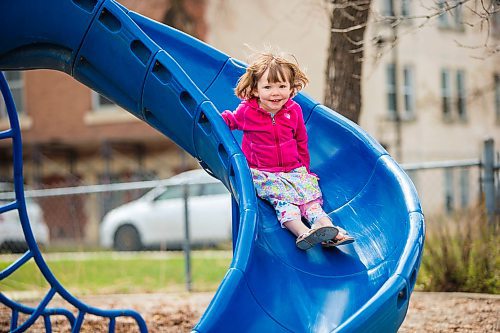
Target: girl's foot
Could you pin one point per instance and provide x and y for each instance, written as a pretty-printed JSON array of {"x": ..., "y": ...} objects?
[
  {"x": 342, "y": 238},
  {"x": 314, "y": 236}
]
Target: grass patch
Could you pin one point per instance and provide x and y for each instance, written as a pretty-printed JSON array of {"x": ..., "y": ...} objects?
[
  {"x": 461, "y": 254},
  {"x": 107, "y": 272}
]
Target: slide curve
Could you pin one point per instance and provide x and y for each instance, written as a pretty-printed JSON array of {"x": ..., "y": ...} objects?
[{"x": 179, "y": 85}]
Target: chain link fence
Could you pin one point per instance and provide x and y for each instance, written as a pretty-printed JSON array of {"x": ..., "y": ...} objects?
[
  {"x": 74, "y": 214},
  {"x": 447, "y": 187}
]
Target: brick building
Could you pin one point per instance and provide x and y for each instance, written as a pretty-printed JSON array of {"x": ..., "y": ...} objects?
[{"x": 73, "y": 136}]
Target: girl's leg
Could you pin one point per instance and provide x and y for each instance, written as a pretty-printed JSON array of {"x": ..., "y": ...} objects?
[
  {"x": 296, "y": 227},
  {"x": 289, "y": 217},
  {"x": 322, "y": 222},
  {"x": 315, "y": 214}
]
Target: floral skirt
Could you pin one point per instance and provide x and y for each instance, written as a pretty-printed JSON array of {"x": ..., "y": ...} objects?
[{"x": 297, "y": 187}]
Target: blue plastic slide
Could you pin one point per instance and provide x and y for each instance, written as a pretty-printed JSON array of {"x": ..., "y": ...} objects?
[{"x": 179, "y": 86}]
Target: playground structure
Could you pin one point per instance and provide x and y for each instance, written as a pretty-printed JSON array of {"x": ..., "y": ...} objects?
[{"x": 179, "y": 85}]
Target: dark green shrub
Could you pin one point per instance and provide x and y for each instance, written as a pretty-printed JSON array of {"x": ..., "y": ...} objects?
[{"x": 461, "y": 253}]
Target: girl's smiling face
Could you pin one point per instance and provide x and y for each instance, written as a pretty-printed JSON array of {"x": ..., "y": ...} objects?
[{"x": 272, "y": 95}]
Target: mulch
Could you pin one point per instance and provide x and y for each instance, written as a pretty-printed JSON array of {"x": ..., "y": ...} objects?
[{"x": 179, "y": 312}]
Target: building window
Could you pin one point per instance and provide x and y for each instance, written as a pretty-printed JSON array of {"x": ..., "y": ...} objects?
[
  {"x": 387, "y": 8},
  {"x": 405, "y": 8},
  {"x": 406, "y": 90},
  {"x": 408, "y": 93},
  {"x": 443, "y": 17},
  {"x": 495, "y": 19},
  {"x": 497, "y": 97},
  {"x": 15, "y": 79},
  {"x": 458, "y": 17},
  {"x": 392, "y": 104},
  {"x": 99, "y": 102},
  {"x": 461, "y": 96},
  {"x": 104, "y": 111},
  {"x": 446, "y": 94},
  {"x": 451, "y": 16},
  {"x": 453, "y": 95}
]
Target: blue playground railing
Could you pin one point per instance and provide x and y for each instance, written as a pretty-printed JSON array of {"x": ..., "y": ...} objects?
[{"x": 33, "y": 252}]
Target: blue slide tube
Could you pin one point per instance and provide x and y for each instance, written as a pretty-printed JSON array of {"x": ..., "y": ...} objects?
[{"x": 179, "y": 85}]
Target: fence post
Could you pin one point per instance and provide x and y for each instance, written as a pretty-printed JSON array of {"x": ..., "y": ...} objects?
[
  {"x": 187, "y": 233},
  {"x": 489, "y": 178},
  {"x": 187, "y": 238}
]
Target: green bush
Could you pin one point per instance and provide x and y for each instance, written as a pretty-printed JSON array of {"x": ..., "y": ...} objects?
[{"x": 461, "y": 253}]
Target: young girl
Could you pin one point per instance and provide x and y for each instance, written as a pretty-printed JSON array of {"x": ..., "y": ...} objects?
[{"x": 275, "y": 145}]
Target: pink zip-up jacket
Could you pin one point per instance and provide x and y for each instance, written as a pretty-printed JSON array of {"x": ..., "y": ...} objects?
[{"x": 275, "y": 144}]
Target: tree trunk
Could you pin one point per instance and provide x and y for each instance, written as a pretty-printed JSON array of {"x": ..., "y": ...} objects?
[
  {"x": 187, "y": 16},
  {"x": 345, "y": 57}
]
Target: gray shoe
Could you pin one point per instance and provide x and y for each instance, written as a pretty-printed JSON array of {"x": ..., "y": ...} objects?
[{"x": 315, "y": 236}]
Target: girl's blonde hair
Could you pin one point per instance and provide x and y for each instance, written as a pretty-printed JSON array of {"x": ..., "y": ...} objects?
[{"x": 280, "y": 69}]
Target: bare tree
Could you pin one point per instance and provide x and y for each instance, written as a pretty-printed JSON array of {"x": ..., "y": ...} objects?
[
  {"x": 349, "y": 20},
  {"x": 187, "y": 16},
  {"x": 345, "y": 56},
  {"x": 474, "y": 14}
]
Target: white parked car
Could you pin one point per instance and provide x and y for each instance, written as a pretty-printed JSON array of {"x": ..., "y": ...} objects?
[
  {"x": 156, "y": 220},
  {"x": 11, "y": 232}
]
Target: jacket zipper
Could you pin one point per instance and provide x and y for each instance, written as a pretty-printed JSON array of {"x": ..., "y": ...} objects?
[{"x": 277, "y": 141}]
